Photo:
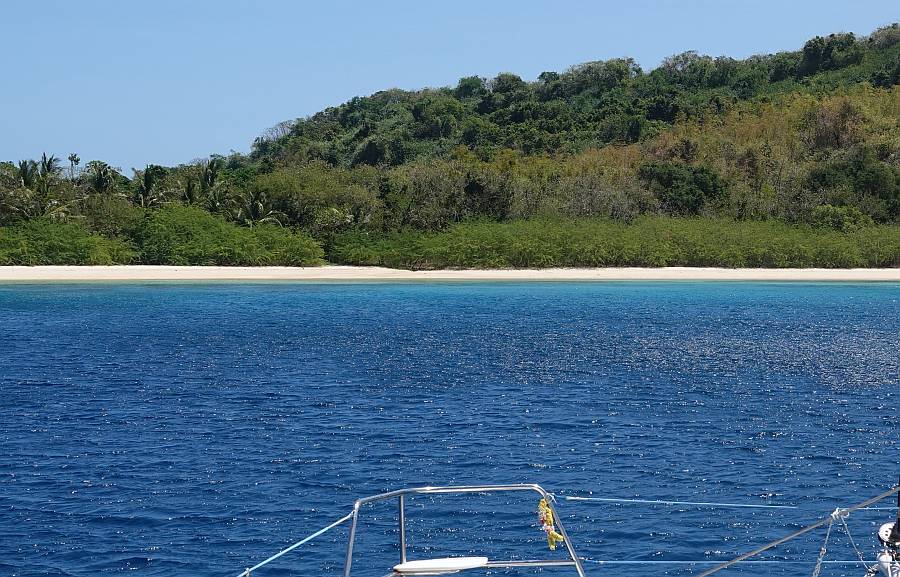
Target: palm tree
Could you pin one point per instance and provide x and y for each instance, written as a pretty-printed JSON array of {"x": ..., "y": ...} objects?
[
  {"x": 35, "y": 198},
  {"x": 217, "y": 199},
  {"x": 147, "y": 181},
  {"x": 209, "y": 174},
  {"x": 215, "y": 194},
  {"x": 49, "y": 166},
  {"x": 189, "y": 191},
  {"x": 27, "y": 173},
  {"x": 48, "y": 172},
  {"x": 101, "y": 176},
  {"x": 253, "y": 207},
  {"x": 74, "y": 161}
]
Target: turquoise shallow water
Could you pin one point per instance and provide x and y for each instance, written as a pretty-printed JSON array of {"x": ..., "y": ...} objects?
[{"x": 195, "y": 429}]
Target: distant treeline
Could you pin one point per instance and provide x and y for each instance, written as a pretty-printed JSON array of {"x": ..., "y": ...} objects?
[{"x": 796, "y": 147}]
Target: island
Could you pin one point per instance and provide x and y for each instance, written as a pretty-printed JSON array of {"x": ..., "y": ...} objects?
[{"x": 778, "y": 161}]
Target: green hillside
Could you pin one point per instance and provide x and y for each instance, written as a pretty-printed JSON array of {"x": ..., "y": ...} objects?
[{"x": 790, "y": 159}]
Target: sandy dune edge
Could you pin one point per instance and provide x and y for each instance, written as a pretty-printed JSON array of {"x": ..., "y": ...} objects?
[{"x": 354, "y": 273}]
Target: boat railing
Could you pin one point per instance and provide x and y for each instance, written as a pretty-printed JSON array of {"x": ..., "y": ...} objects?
[
  {"x": 890, "y": 566},
  {"x": 402, "y": 494}
]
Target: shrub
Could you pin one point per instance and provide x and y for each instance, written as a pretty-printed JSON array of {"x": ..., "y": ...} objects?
[
  {"x": 110, "y": 215},
  {"x": 680, "y": 188},
  {"x": 843, "y": 218},
  {"x": 648, "y": 241},
  {"x": 183, "y": 235},
  {"x": 45, "y": 242},
  {"x": 285, "y": 247}
]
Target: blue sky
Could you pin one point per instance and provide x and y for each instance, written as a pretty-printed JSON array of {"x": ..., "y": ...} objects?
[{"x": 167, "y": 81}]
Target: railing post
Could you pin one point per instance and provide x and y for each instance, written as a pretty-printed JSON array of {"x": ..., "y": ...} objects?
[
  {"x": 349, "y": 559},
  {"x": 562, "y": 531},
  {"x": 402, "y": 529}
]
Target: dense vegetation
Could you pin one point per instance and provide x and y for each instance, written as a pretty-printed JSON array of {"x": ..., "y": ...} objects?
[
  {"x": 648, "y": 241},
  {"x": 791, "y": 159}
]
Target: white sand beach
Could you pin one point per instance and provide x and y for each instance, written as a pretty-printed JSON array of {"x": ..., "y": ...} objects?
[{"x": 380, "y": 274}]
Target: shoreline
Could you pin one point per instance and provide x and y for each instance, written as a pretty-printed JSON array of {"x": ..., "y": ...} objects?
[{"x": 336, "y": 273}]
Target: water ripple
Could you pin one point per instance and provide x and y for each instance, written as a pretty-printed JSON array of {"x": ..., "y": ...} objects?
[{"x": 195, "y": 429}]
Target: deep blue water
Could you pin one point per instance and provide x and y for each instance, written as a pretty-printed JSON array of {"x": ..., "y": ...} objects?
[{"x": 196, "y": 429}]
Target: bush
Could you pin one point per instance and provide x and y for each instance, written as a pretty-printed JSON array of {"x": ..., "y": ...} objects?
[
  {"x": 649, "y": 241},
  {"x": 110, "y": 216},
  {"x": 843, "y": 218},
  {"x": 680, "y": 188},
  {"x": 182, "y": 235},
  {"x": 285, "y": 247},
  {"x": 45, "y": 242}
]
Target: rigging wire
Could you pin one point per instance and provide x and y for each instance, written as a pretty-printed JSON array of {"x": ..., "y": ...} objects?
[
  {"x": 711, "y": 562},
  {"x": 246, "y": 572},
  {"x": 666, "y": 502},
  {"x": 859, "y": 554},
  {"x": 824, "y": 549},
  {"x": 795, "y": 534}
]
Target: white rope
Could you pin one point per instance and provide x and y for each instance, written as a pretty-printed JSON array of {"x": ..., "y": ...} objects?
[
  {"x": 661, "y": 502},
  {"x": 246, "y": 572}
]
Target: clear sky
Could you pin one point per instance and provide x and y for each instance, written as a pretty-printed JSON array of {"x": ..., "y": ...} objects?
[{"x": 167, "y": 81}]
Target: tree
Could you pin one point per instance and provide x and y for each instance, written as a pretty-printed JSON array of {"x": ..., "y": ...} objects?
[
  {"x": 254, "y": 207},
  {"x": 49, "y": 166},
  {"x": 48, "y": 173},
  {"x": 189, "y": 189},
  {"x": 833, "y": 124},
  {"x": 320, "y": 198},
  {"x": 147, "y": 182},
  {"x": 209, "y": 174},
  {"x": 437, "y": 116},
  {"x": 211, "y": 191},
  {"x": 505, "y": 83},
  {"x": 470, "y": 87},
  {"x": 599, "y": 76},
  {"x": 681, "y": 189},
  {"x": 436, "y": 193},
  {"x": 99, "y": 177},
  {"x": 37, "y": 194},
  {"x": 74, "y": 160},
  {"x": 835, "y": 51},
  {"x": 27, "y": 173}
]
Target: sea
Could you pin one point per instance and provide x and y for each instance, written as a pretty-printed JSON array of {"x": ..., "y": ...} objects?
[{"x": 196, "y": 429}]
